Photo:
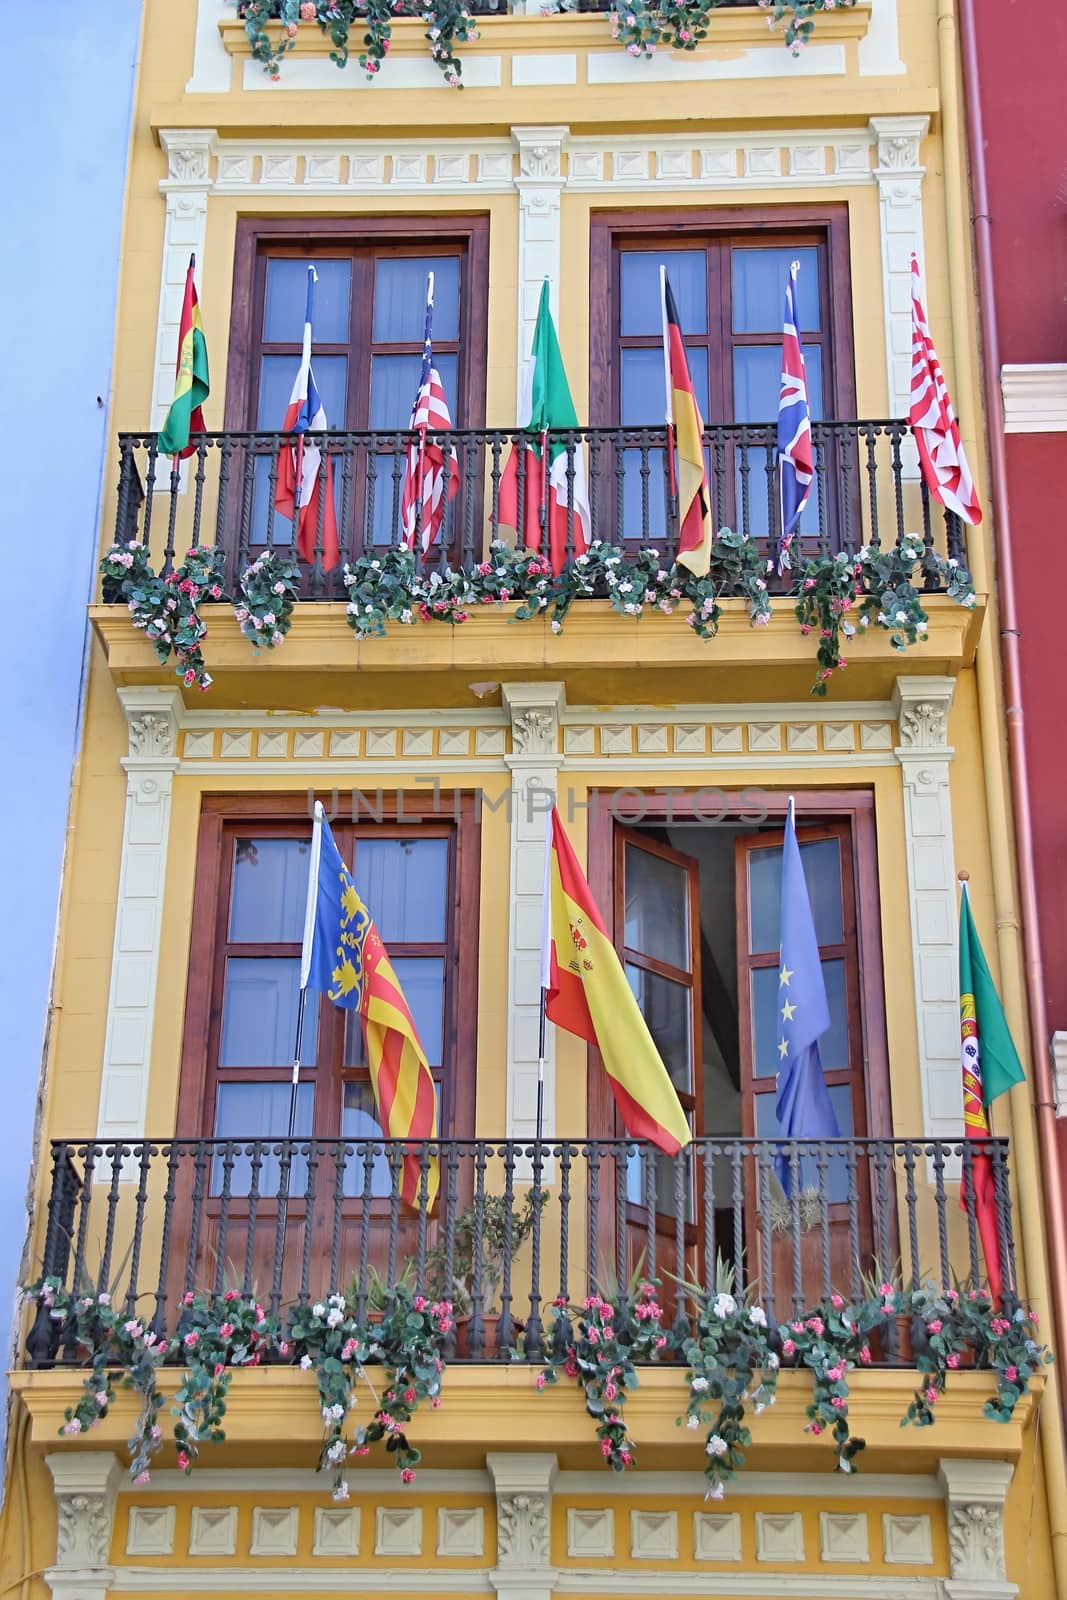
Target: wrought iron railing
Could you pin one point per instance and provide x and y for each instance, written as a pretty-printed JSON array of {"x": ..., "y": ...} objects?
[
  {"x": 867, "y": 491},
  {"x": 290, "y": 1220}
]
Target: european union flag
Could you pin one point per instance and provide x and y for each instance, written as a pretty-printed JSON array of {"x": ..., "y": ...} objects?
[
  {"x": 803, "y": 1104},
  {"x": 336, "y": 924}
]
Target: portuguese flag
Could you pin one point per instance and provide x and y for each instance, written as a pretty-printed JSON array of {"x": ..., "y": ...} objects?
[
  {"x": 553, "y": 485},
  {"x": 587, "y": 993},
  {"x": 683, "y": 417},
  {"x": 991, "y": 1066},
  {"x": 192, "y": 384}
]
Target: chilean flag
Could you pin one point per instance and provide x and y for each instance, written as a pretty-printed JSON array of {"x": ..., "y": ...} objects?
[
  {"x": 796, "y": 463},
  {"x": 299, "y": 475}
]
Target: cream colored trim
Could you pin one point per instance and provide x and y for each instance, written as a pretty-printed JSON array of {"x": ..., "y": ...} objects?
[
  {"x": 975, "y": 1492},
  {"x": 1059, "y": 1071},
  {"x": 899, "y": 175},
  {"x": 1035, "y": 397},
  {"x": 185, "y": 189},
  {"x": 319, "y": 1579},
  {"x": 737, "y": 1585},
  {"x": 539, "y": 183}
]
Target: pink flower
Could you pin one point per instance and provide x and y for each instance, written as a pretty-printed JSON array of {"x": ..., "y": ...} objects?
[
  {"x": 410, "y": 1397},
  {"x": 407, "y": 1475},
  {"x": 540, "y": 1380},
  {"x": 610, "y": 1391},
  {"x": 816, "y": 1428},
  {"x": 220, "y": 1368},
  {"x": 283, "y": 1348},
  {"x": 788, "y": 1347},
  {"x": 188, "y": 1298},
  {"x": 1011, "y": 1373},
  {"x": 839, "y": 1402},
  {"x": 930, "y": 1395},
  {"x": 816, "y": 1325},
  {"x": 419, "y": 1302},
  {"x": 231, "y": 1294},
  {"x": 183, "y": 1461},
  {"x": 225, "y": 1330},
  {"x": 605, "y": 1447},
  {"x": 885, "y": 1289},
  {"x": 660, "y": 1341},
  {"x": 936, "y": 1325},
  {"x": 865, "y": 1355},
  {"x": 191, "y": 1340},
  {"x": 797, "y": 1327},
  {"x": 952, "y": 1359},
  {"x": 155, "y": 1431},
  {"x": 436, "y": 1402},
  {"x": 593, "y": 1336},
  {"x": 141, "y": 1479},
  {"x": 836, "y": 1301},
  {"x": 999, "y": 1325},
  {"x": 360, "y": 1450}
]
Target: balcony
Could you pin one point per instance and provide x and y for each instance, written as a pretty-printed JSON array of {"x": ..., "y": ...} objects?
[
  {"x": 289, "y": 1221},
  {"x": 865, "y": 493}
]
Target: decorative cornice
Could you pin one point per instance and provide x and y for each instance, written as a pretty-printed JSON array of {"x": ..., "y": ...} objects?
[
  {"x": 922, "y": 707},
  {"x": 898, "y": 141},
  {"x": 975, "y": 1492},
  {"x": 85, "y": 1485}
]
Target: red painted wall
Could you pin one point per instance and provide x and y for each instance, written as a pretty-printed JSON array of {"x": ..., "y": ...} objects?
[{"x": 1023, "y": 85}]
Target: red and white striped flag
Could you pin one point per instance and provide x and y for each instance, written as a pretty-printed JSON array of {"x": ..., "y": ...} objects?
[
  {"x": 424, "y": 480},
  {"x": 302, "y": 474},
  {"x": 937, "y": 433}
]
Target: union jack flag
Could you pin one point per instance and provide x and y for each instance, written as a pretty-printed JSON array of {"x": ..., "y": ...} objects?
[
  {"x": 424, "y": 479},
  {"x": 937, "y": 433},
  {"x": 796, "y": 460}
]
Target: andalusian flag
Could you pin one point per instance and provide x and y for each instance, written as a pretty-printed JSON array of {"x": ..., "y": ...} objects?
[
  {"x": 558, "y": 483},
  {"x": 587, "y": 994},
  {"x": 192, "y": 384},
  {"x": 344, "y": 958},
  {"x": 683, "y": 416},
  {"x": 991, "y": 1066}
]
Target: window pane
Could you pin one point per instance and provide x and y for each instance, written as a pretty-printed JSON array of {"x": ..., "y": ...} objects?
[
  {"x": 643, "y": 391},
  {"x": 395, "y": 383},
  {"x": 286, "y": 301},
  {"x": 400, "y": 298},
  {"x": 642, "y": 309},
  {"x": 657, "y": 907},
  {"x": 758, "y": 381},
  {"x": 833, "y": 1046},
  {"x": 422, "y": 978},
  {"x": 403, "y": 883},
  {"x": 250, "y": 1111},
  {"x": 758, "y": 281},
  {"x": 259, "y": 1013},
  {"x": 837, "y": 1166},
  {"x": 276, "y": 377},
  {"x": 821, "y": 861},
  {"x": 665, "y": 1169},
  {"x": 359, "y": 1121},
  {"x": 667, "y": 1009},
  {"x": 270, "y": 880}
]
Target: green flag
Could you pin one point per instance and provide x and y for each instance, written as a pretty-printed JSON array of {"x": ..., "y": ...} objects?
[
  {"x": 191, "y": 384},
  {"x": 982, "y": 1015}
]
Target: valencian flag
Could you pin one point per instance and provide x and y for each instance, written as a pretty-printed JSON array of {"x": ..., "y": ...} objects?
[
  {"x": 192, "y": 384},
  {"x": 803, "y": 1106},
  {"x": 796, "y": 460},
  {"x": 344, "y": 958},
  {"x": 991, "y": 1066},
  {"x": 937, "y": 433},
  {"x": 687, "y": 425},
  {"x": 424, "y": 480},
  {"x": 587, "y": 994},
  {"x": 300, "y": 465},
  {"x": 555, "y": 487}
]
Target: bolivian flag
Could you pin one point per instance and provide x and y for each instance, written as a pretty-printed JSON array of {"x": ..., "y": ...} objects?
[
  {"x": 587, "y": 994},
  {"x": 343, "y": 957},
  {"x": 192, "y": 384},
  {"x": 694, "y": 498},
  {"x": 991, "y": 1066}
]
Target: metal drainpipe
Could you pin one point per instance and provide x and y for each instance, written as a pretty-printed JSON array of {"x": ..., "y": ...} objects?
[{"x": 1052, "y": 1437}]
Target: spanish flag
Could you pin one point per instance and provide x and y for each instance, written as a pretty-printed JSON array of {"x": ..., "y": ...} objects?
[
  {"x": 192, "y": 384},
  {"x": 344, "y": 958},
  {"x": 587, "y": 994},
  {"x": 683, "y": 412}
]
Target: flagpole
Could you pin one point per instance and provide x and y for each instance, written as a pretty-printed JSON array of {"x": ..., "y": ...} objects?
[
  {"x": 175, "y": 460},
  {"x": 310, "y": 908},
  {"x": 420, "y": 468},
  {"x": 313, "y": 279},
  {"x": 669, "y": 414},
  {"x": 546, "y": 972}
]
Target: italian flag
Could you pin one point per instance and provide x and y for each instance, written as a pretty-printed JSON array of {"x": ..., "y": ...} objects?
[
  {"x": 554, "y": 487},
  {"x": 192, "y": 384}
]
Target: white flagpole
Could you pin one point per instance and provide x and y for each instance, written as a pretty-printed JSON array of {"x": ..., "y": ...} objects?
[
  {"x": 546, "y": 972},
  {"x": 669, "y": 403},
  {"x": 310, "y": 908}
]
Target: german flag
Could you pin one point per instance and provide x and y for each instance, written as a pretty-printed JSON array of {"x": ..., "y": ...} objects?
[
  {"x": 587, "y": 994},
  {"x": 694, "y": 498}
]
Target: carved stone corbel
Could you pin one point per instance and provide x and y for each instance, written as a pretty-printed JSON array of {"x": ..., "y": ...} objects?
[
  {"x": 523, "y": 1488},
  {"x": 85, "y": 1483},
  {"x": 975, "y": 1495}
]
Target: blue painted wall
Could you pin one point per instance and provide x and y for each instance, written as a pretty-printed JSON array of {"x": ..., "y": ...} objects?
[{"x": 68, "y": 88}]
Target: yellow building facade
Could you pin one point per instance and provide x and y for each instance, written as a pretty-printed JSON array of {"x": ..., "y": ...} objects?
[{"x": 165, "y": 1168}]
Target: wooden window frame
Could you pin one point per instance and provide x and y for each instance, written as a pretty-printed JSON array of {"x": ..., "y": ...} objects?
[
  {"x": 828, "y": 223},
  {"x": 853, "y": 806},
  {"x": 304, "y": 237},
  {"x": 452, "y": 813}
]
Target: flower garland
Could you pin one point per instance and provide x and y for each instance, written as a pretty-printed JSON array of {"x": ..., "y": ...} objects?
[
  {"x": 731, "y": 1362},
  {"x": 831, "y": 1341},
  {"x": 597, "y": 1346},
  {"x": 268, "y": 592},
  {"x": 954, "y": 1324},
  {"x": 168, "y": 609},
  {"x": 641, "y": 27},
  {"x": 213, "y": 1339}
]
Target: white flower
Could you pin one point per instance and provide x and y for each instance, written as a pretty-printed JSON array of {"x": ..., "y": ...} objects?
[
  {"x": 305, "y": 1362},
  {"x": 352, "y": 609},
  {"x": 318, "y": 1309},
  {"x": 334, "y": 1317},
  {"x": 969, "y": 601},
  {"x": 502, "y": 572},
  {"x": 757, "y": 1316},
  {"x": 367, "y": 610},
  {"x": 844, "y": 1466},
  {"x": 714, "y": 1492},
  {"x": 630, "y": 608},
  {"x": 901, "y": 616},
  {"x": 952, "y": 562},
  {"x": 772, "y": 1361},
  {"x": 717, "y": 1445},
  {"x": 405, "y": 616},
  {"x": 699, "y": 1385},
  {"x": 692, "y": 1422},
  {"x": 376, "y": 566},
  {"x": 337, "y": 1300},
  {"x": 579, "y": 561},
  {"x": 865, "y": 621},
  {"x": 557, "y": 627},
  {"x": 341, "y": 1490},
  {"x": 625, "y": 588},
  {"x": 724, "y": 1305},
  {"x": 279, "y": 588}
]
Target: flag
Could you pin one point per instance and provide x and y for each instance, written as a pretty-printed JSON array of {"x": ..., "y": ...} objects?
[
  {"x": 343, "y": 957},
  {"x": 192, "y": 384},
  {"x": 424, "y": 480},
  {"x": 547, "y": 405},
  {"x": 300, "y": 474},
  {"x": 991, "y": 1066},
  {"x": 587, "y": 993},
  {"x": 683, "y": 414},
  {"x": 803, "y": 1106},
  {"x": 937, "y": 433},
  {"x": 796, "y": 460}
]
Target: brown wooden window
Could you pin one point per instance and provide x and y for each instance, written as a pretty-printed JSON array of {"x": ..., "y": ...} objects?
[
  {"x": 370, "y": 305},
  {"x": 420, "y": 884},
  {"x": 728, "y": 271}
]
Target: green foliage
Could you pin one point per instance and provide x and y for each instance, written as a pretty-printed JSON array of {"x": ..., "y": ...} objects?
[
  {"x": 731, "y": 1362},
  {"x": 479, "y": 1252},
  {"x": 168, "y": 609},
  {"x": 268, "y": 592}
]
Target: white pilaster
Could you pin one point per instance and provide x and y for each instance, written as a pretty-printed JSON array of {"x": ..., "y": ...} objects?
[
  {"x": 899, "y": 175},
  {"x": 153, "y": 718},
  {"x": 539, "y": 182},
  {"x": 534, "y": 762},
  {"x": 975, "y": 1494},
  {"x": 85, "y": 1483},
  {"x": 523, "y": 1487},
  {"x": 212, "y": 66},
  {"x": 922, "y": 707},
  {"x": 185, "y": 189}
]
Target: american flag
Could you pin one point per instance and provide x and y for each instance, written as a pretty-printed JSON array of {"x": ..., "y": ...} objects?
[
  {"x": 796, "y": 462},
  {"x": 424, "y": 480},
  {"x": 937, "y": 433}
]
